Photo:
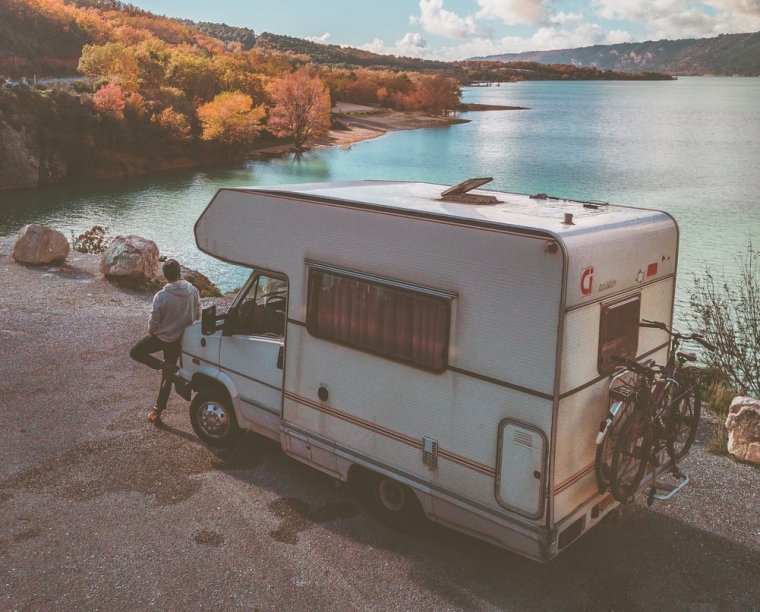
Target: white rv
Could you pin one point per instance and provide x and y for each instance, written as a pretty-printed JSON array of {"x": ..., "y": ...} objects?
[{"x": 451, "y": 347}]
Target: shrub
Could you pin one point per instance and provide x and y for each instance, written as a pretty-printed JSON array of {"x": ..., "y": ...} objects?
[
  {"x": 94, "y": 240},
  {"x": 727, "y": 314}
]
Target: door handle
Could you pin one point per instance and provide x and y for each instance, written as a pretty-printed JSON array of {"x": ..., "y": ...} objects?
[{"x": 281, "y": 358}]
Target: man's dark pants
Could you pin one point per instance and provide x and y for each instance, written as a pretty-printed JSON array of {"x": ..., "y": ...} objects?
[{"x": 143, "y": 351}]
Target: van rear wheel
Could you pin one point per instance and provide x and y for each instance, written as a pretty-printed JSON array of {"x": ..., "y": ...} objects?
[
  {"x": 395, "y": 504},
  {"x": 213, "y": 418}
]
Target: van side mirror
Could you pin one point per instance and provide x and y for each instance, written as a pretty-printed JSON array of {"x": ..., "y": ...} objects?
[{"x": 210, "y": 322}]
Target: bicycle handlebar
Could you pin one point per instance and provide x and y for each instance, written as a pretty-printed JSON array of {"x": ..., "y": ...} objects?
[
  {"x": 637, "y": 367},
  {"x": 660, "y": 325}
]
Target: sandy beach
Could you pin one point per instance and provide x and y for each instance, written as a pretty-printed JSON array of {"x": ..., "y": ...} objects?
[{"x": 364, "y": 123}]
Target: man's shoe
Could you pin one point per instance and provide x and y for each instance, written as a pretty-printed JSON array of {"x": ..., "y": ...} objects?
[
  {"x": 169, "y": 369},
  {"x": 154, "y": 416}
]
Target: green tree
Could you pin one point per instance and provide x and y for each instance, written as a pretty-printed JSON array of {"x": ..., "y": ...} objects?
[{"x": 301, "y": 108}]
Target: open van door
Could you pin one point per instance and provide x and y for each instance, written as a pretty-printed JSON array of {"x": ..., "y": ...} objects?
[{"x": 253, "y": 345}]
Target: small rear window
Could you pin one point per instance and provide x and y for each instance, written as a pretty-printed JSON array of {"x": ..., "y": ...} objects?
[{"x": 619, "y": 332}]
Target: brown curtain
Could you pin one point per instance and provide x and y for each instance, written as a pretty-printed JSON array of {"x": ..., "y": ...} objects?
[{"x": 380, "y": 319}]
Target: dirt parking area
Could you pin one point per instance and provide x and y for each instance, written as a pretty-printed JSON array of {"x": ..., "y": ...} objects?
[{"x": 99, "y": 510}]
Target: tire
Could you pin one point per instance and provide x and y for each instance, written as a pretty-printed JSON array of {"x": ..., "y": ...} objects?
[
  {"x": 603, "y": 462},
  {"x": 630, "y": 457},
  {"x": 394, "y": 504},
  {"x": 213, "y": 418},
  {"x": 682, "y": 418}
]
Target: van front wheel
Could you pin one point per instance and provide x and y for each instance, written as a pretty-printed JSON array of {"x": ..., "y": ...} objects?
[
  {"x": 213, "y": 418},
  {"x": 394, "y": 504}
]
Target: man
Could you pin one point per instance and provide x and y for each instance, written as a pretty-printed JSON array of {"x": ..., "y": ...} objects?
[{"x": 175, "y": 307}]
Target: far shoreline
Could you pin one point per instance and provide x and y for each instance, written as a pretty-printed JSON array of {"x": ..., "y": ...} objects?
[{"x": 367, "y": 122}]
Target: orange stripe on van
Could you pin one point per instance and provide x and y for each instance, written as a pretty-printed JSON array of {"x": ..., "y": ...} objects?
[
  {"x": 390, "y": 433},
  {"x": 567, "y": 483}
]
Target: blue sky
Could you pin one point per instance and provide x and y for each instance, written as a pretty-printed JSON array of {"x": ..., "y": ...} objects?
[{"x": 457, "y": 29}]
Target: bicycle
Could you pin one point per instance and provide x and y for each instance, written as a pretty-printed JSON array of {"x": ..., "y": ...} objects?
[
  {"x": 653, "y": 409},
  {"x": 679, "y": 387}
]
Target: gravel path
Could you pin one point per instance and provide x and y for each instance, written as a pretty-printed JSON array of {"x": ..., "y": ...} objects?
[{"x": 101, "y": 511}]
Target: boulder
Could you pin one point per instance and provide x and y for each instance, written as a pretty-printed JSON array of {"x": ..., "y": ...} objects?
[
  {"x": 743, "y": 425},
  {"x": 131, "y": 257},
  {"x": 38, "y": 244}
]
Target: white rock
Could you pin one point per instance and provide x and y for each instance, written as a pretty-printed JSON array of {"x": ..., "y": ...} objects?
[
  {"x": 38, "y": 244},
  {"x": 130, "y": 256},
  {"x": 743, "y": 425}
]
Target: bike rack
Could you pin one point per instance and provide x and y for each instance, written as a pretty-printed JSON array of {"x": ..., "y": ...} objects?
[{"x": 669, "y": 489}]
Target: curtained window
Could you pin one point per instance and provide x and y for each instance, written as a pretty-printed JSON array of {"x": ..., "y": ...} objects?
[{"x": 390, "y": 321}]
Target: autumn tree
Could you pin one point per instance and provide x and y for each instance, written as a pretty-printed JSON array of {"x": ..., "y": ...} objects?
[
  {"x": 109, "y": 100},
  {"x": 231, "y": 118},
  {"x": 175, "y": 125},
  {"x": 301, "y": 108},
  {"x": 439, "y": 94},
  {"x": 114, "y": 61}
]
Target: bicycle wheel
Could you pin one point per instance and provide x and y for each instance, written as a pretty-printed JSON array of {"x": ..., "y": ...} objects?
[
  {"x": 603, "y": 463},
  {"x": 682, "y": 417},
  {"x": 630, "y": 456}
]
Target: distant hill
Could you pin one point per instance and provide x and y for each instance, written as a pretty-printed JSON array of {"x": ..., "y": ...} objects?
[
  {"x": 226, "y": 33},
  {"x": 724, "y": 55},
  {"x": 333, "y": 55}
]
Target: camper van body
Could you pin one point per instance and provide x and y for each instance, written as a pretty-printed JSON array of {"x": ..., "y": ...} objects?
[{"x": 490, "y": 415}]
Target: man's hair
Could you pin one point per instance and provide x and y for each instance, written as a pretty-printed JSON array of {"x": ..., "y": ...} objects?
[{"x": 172, "y": 271}]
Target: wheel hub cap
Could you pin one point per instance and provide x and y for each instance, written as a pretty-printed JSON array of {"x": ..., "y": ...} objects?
[{"x": 214, "y": 420}]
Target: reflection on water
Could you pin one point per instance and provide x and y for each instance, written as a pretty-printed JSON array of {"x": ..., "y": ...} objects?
[{"x": 689, "y": 147}]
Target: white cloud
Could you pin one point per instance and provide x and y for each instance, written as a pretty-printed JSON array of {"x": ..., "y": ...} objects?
[
  {"x": 319, "y": 39},
  {"x": 411, "y": 45},
  {"x": 515, "y": 12},
  {"x": 434, "y": 19},
  {"x": 674, "y": 19}
]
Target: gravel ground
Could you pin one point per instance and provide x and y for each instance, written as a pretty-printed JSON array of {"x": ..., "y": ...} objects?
[{"x": 102, "y": 511}]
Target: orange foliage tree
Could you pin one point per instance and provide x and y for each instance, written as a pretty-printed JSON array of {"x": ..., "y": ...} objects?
[
  {"x": 439, "y": 94},
  {"x": 301, "y": 108},
  {"x": 175, "y": 125},
  {"x": 231, "y": 118},
  {"x": 109, "y": 100}
]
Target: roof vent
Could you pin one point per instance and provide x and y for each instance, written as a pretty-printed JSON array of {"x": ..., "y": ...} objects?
[{"x": 459, "y": 192}]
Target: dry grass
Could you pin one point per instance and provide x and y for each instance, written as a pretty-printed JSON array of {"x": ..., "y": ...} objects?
[{"x": 717, "y": 397}]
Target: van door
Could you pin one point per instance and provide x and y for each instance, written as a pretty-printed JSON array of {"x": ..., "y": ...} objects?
[{"x": 252, "y": 347}]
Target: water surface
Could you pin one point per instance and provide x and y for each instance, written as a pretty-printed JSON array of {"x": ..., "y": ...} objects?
[{"x": 690, "y": 147}]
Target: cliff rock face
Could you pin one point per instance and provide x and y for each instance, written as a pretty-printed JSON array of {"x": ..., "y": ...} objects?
[{"x": 22, "y": 162}]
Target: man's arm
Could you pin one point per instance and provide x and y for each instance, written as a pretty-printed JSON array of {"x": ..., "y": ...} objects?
[
  {"x": 156, "y": 316},
  {"x": 197, "y": 305}
]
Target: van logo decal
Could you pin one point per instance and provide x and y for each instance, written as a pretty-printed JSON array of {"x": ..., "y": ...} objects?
[{"x": 587, "y": 281}]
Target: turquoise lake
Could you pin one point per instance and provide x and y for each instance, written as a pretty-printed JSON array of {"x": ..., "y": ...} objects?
[{"x": 690, "y": 147}]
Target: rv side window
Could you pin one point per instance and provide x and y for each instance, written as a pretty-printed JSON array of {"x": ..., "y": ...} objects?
[
  {"x": 619, "y": 332},
  {"x": 393, "y": 322}
]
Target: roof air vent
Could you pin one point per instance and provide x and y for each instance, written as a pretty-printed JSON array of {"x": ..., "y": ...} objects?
[{"x": 459, "y": 193}]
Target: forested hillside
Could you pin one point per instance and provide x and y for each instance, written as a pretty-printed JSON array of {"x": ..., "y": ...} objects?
[
  {"x": 154, "y": 92},
  {"x": 724, "y": 55}
]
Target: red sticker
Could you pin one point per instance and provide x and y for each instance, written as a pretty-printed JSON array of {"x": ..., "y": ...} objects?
[
  {"x": 587, "y": 280},
  {"x": 652, "y": 269}
]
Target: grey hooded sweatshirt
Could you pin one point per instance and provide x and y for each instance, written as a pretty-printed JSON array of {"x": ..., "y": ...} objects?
[{"x": 175, "y": 307}]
